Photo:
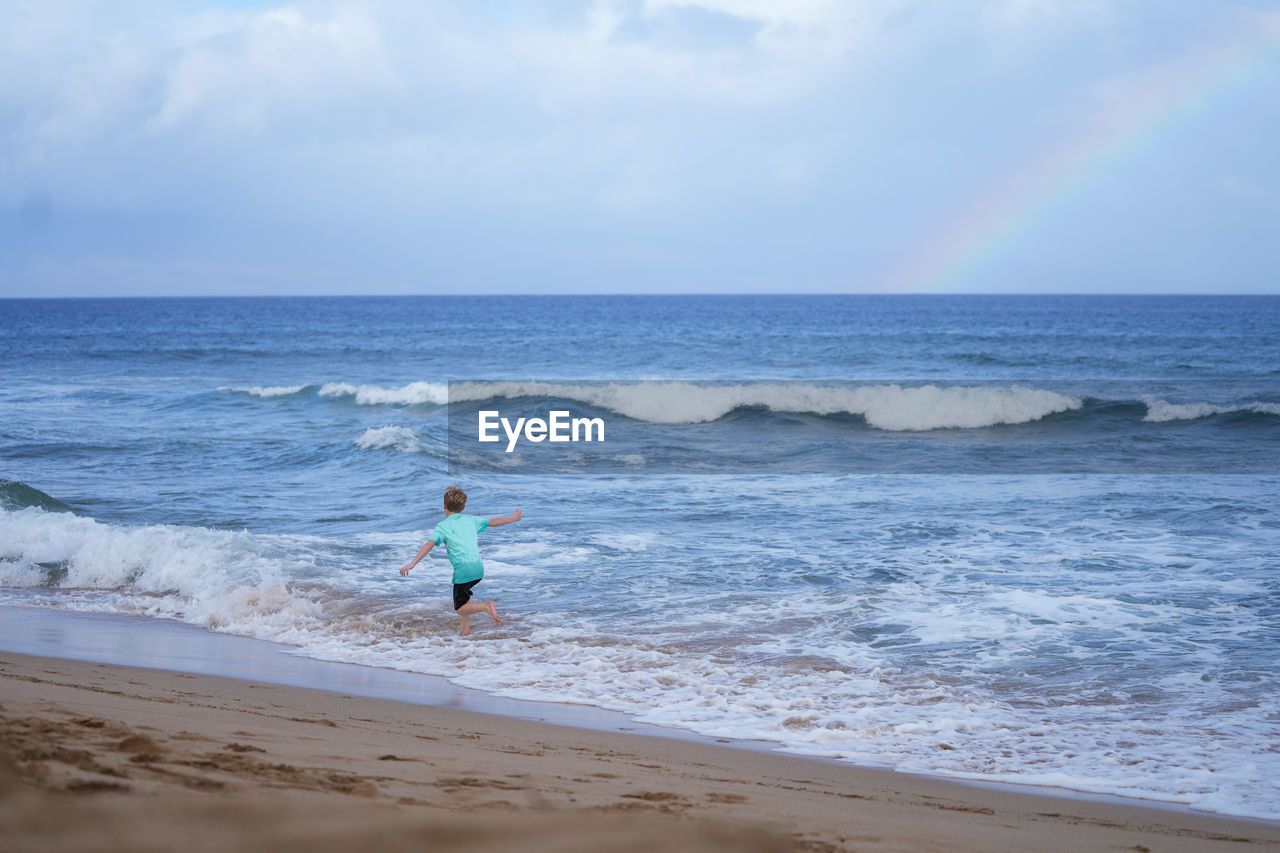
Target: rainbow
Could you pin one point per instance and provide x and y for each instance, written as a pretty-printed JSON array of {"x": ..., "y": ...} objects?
[{"x": 1141, "y": 110}]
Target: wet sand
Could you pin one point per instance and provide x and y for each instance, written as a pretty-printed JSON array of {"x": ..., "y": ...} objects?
[{"x": 105, "y": 757}]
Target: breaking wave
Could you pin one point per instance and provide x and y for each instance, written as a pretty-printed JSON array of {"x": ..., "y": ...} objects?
[
  {"x": 16, "y": 495},
  {"x": 390, "y": 437},
  {"x": 415, "y": 393},
  {"x": 888, "y": 407},
  {"x": 1160, "y": 411},
  {"x": 892, "y": 406},
  {"x": 267, "y": 391}
]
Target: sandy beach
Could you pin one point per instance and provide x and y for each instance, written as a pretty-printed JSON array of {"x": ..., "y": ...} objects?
[{"x": 104, "y": 757}]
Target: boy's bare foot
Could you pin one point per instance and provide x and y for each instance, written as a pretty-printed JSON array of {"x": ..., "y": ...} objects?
[
  {"x": 493, "y": 611},
  {"x": 464, "y": 630}
]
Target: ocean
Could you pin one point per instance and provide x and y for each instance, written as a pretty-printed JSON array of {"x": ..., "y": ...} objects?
[{"x": 1027, "y": 539}]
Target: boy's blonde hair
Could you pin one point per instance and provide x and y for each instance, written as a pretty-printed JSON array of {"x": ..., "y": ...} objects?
[{"x": 455, "y": 500}]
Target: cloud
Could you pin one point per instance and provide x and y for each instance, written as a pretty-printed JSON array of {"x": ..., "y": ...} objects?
[
  {"x": 676, "y": 132},
  {"x": 278, "y": 64},
  {"x": 1024, "y": 15}
]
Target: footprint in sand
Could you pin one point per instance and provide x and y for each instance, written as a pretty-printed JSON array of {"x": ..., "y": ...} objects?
[
  {"x": 243, "y": 747},
  {"x": 141, "y": 747}
]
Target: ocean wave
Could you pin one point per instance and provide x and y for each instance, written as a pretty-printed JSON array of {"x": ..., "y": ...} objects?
[
  {"x": 390, "y": 437},
  {"x": 891, "y": 407},
  {"x": 415, "y": 393},
  {"x": 887, "y": 407},
  {"x": 16, "y": 495},
  {"x": 208, "y": 577},
  {"x": 1160, "y": 411},
  {"x": 267, "y": 391}
]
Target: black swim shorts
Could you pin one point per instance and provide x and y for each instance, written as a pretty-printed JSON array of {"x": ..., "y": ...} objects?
[{"x": 462, "y": 593}]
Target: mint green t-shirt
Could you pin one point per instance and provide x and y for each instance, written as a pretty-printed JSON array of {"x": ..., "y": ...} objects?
[{"x": 457, "y": 533}]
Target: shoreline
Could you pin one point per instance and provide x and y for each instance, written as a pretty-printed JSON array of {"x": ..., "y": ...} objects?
[
  {"x": 106, "y": 757},
  {"x": 170, "y": 645},
  {"x": 177, "y": 647}
]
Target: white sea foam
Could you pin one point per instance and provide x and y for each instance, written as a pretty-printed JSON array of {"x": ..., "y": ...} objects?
[
  {"x": 390, "y": 437},
  {"x": 626, "y": 541},
  {"x": 267, "y": 391},
  {"x": 889, "y": 407},
  {"x": 415, "y": 393},
  {"x": 208, "y": 577},
  {"x": 1159, "y": 411}
]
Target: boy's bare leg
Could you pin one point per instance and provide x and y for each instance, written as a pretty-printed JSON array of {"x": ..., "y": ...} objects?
[{"x": 472, "y": 607}]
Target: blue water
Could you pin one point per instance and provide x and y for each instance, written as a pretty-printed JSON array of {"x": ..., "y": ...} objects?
[{"x": 1030, "y": 539}]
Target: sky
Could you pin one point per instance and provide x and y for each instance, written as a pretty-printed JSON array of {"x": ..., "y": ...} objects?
[{"x": 639, "y": 146}]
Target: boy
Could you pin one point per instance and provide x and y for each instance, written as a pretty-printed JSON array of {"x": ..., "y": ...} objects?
[{"x": 457, "y": 533}]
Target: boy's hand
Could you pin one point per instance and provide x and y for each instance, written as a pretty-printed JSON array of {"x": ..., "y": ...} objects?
[
  {"x": 517, "y": 515},
  {"x": 404, "y": 571}
]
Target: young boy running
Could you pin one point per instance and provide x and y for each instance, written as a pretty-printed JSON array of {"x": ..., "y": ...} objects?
[{"x": 457, "y": 533}]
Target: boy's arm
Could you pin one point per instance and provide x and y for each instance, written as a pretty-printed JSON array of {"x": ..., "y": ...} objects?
[
  {"x": 506, "y": 519},
  {"x": 426, "y": 549}
]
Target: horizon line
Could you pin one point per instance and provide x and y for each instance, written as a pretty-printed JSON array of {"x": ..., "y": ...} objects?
[{"x": 505, "y": 294}]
